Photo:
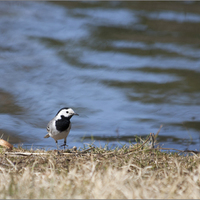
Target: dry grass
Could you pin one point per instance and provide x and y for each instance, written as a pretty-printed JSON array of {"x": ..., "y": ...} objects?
[{"x": 99, "y": 173}]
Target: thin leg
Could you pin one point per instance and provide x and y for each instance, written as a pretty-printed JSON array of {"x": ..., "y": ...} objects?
[
  {"x": 57, "y": 144},
  {"x": 65, "y": 142},
  {"x": 57, "y": 147}
]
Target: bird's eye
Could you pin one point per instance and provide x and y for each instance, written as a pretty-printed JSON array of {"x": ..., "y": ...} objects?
[{"x": 67, "y": 112}]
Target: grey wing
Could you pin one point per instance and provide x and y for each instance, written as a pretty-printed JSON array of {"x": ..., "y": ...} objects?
[
  {"x": 49, "y": 126},
  {"x": 48, "y": 129}
]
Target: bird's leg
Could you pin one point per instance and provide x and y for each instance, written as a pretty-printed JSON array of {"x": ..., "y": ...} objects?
[
  {"x": 57, "y": 144},
  {"x": 65, "y": 141},
  {"x": 57, "y": 147}
]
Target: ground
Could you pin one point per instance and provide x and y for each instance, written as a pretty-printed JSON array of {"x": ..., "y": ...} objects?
[{"x": 137, "y": 171}]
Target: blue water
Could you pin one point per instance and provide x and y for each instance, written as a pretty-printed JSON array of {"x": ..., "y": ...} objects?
[{"x": 125, "y": 67}]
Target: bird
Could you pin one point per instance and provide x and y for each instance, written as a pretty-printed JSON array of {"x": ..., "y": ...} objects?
[{"x": 59, "y": 127}]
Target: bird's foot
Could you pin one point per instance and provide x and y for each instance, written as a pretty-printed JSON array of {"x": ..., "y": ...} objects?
[{"x": 64, "y": 145}]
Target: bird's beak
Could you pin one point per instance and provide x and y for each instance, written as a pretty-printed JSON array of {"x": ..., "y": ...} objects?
[{"x": 76, "y": 114}]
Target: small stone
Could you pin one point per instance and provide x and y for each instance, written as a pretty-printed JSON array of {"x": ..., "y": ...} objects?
[{"x": 74, "y": 148}]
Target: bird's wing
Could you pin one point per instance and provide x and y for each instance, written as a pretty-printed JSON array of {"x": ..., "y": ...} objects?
[
  {"x": 49, "y": 125},
  {"x": 48, "y": 129}
]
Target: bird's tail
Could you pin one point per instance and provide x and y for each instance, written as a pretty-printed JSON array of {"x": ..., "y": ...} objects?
[{"x": 47, "y": 136}]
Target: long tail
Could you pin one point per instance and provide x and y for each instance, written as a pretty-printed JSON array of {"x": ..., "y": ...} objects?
[{"x": 47, "y": 136}]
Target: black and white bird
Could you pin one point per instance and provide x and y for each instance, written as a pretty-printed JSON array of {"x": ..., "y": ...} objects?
[{"x": 59, "y": 127}]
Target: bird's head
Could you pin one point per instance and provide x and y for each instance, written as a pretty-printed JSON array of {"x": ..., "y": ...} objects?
[{"x": 65, "y": 112}]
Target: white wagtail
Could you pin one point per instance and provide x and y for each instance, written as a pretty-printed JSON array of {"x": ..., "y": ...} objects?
[{"x": 58, "y": 128}]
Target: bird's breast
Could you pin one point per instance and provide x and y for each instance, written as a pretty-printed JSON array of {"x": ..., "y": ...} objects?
[{"x": 62, "y": 124}]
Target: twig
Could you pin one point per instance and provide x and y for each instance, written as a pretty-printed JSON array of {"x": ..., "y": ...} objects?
[
  {"x": 24, "y": 153},
  {"x": 158, "y": 131},
  {"x": 38, "y": 154},
  {"x": 78, "y": 153},
  {"x": 139, "y": 146},
  {"x": 24, "y": 159},
  {"x": 87, "y": 150},
  {"x": 152, "y": 140}
]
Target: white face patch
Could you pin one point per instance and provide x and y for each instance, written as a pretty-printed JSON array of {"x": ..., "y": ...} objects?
[{"x": 65, "y": 112}]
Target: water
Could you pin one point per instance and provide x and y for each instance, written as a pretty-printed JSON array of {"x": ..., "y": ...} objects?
[{"x": 125, "y": 67}]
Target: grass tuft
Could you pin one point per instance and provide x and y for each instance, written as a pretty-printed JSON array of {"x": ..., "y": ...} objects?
[{"x": 135, "y": 171}]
